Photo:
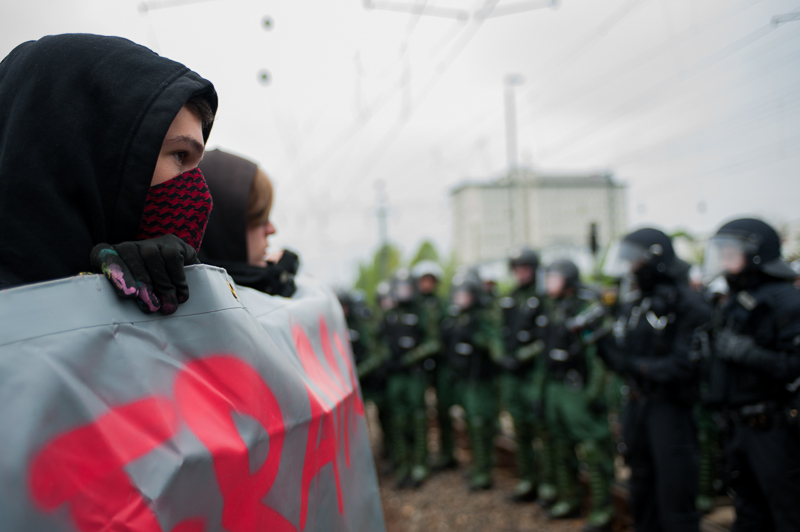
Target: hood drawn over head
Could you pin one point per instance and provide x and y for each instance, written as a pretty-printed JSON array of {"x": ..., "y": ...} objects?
[
  {"x": 82, "y": 121},
  {"x": 229, "y": 179}
]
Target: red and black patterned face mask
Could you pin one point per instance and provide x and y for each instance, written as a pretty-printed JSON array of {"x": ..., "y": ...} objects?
[{"x": 179, "y": 207}]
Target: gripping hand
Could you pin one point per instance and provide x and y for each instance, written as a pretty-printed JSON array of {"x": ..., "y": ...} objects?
[
  {"x": 149, "y": 271},
  {"x": 737, "y": 349}
]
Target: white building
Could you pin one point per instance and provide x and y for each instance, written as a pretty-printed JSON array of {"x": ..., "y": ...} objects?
[{"x": 550, "y": 213}]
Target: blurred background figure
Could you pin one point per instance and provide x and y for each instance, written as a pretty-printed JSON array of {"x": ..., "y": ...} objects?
[
  {"x": 569, "y": 391},
  {"x": 240, "y": 225},
  {"x": 651, "y": 349},
  {"x": 471, "y": 334},
  {"x": 522, "y": 334},
  {"x": 428, "y": 275},
  {"x": 411, "y": 335},
  {"x": 755, "y": 373}
]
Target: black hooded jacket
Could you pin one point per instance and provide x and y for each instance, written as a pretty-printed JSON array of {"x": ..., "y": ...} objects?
[
  {"x": 82, "y": 121},
  {"x": 230, "y": 179}
]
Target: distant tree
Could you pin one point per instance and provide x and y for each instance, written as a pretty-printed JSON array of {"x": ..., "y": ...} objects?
[
  {"x": 449, "y": 267},
  {"x": 369, "y": 274},
  {"x": 426, "y": 251},
  {"x": 696, "y": 248}
]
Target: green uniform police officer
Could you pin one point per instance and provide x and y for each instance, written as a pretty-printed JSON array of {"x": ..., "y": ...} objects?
[
  {"x": 570, "y": 389},
  {"x": 411, "y": 335},
  {"x": 473, "y": 349},
  {"x": 521, "y": 333}
]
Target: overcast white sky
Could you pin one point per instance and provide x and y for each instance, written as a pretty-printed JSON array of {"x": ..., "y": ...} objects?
[{"x": 695, "y": 105}]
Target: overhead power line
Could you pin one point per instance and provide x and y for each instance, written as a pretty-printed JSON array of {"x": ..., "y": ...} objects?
[
  {"x": 615, "y": 74},
  {"x": 612, "y": 116},
  {"x": 163, "y": 4},
  {"x": 561, "y": 64},
  {"x": 418, "y": 9}
]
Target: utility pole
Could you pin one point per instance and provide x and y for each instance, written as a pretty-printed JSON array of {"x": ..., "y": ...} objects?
[
  {"x": 383, "y": 230},
  {"x": 511, "y": 82}
]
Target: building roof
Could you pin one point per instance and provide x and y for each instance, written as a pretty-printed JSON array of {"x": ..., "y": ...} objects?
[{"x": 526, "y": 177}]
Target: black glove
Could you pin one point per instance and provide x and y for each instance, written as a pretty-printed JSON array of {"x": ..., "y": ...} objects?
[
  {"x": 284, "y": 271},
  {"x": 737, "y": 349},
  {"x": 509, "y": 363},
  {"x": 597, "y": 406},
  {"x": 538, "y": 409},
  {"x": 613, "y": 358},
  {"x": 150, "y": 271}
]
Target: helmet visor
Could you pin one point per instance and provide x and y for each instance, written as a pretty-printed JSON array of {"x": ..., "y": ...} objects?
[
  {"x": 463, "y": 298},
  {"x": 554, "y": 283},
  {"x": 624, "y": 258},
  {"x": 404, "y": 291},
  {"x": 725, "y": 254}
]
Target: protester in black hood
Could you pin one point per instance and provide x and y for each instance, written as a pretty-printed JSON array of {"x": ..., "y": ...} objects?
[
  {"x": 236, "y": 236},
  {"x": 99, "y": 143}
]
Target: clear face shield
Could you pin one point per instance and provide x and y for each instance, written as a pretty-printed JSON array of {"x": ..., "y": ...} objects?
[
  {"x": 725, "y": 255},
  {"x": 523, "y": 273},
  {"x": 463, "y": 299},
  {"x": 554, "y": 283},
  {"x": 625, "y": 258},
  {"x": 404, "y": 292}
]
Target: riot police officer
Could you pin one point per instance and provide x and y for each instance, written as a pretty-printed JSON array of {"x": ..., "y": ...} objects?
[
  {"x": 411, "y": 335},
  {"x": 755, "y": 373},
  {"x": 428, "y": 275},
  {"x": 652, "y": 349},
  {"x": 473, "y": 349},
  {"x": 522, "y": 330},
  {"x": 570, "y": 387},
  {"x": 368, "y": 357}
]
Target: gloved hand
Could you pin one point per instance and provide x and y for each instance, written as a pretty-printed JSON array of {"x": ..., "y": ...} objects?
[
  {"x": 613, "y": 358},
  {"x": 736, "y": 348},
  {"x": 538, "y": 409},
  {"x": 284, "y": 271},
  {"x": 509, "y": 363},
  {"x": 597, "y": 406},
  {"x": 150, "y": 271}
]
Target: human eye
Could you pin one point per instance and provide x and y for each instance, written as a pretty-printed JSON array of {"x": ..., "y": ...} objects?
[{"x": 180, "y": 156}]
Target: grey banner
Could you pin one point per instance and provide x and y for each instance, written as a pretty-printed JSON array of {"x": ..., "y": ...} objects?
[{"x": 240, "y": 412}]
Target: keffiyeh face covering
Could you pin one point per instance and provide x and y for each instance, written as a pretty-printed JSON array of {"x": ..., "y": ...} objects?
[{"x": 179, "y": 207}]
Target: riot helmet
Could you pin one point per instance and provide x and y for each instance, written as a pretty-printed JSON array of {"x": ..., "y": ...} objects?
[
  {"x": 744, "y": 249},
  {"x": 427, "y": 274},
  {"x": 560, "y": 276},
  {"x": 357, "y": 297},
  {"x": 523, "y": 262},
  {"x": 466, "y": 290},
  {"x": 648, "y": 255},
  {"x": 404, "y": 289}
]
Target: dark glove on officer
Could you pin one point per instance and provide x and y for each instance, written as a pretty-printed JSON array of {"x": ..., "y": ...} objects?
[
  {"x": 739, "y": 349},
  {"x": 538, "y": 409},
  {"x": 150, "y": 271},
  {"x": 613, "y": 358},
  {"x": 597, "y": 406},
  {"x": 509, "y": 363}
]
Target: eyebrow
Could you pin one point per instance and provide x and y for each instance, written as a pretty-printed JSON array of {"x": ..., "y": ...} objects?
[{"x": 193, "y": 142}]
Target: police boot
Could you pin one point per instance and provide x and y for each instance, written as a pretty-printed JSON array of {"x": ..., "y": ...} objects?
[
  {"x": 705, "y": 474},
  {"x": 525, "y": 490},
  {"x": 402, "y": 465},
  {"x": 481, "y": 477},
  {"x": 446, "y": 458},
  {"x": 546, "y": 491},
  {"x": 420, "y": 471},
  {"x": 598, "y": 462},
  {"x": 568, "y": 502}
]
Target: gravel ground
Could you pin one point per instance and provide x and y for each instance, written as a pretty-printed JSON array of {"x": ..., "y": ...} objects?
[{"x": 444, "y": 503}]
